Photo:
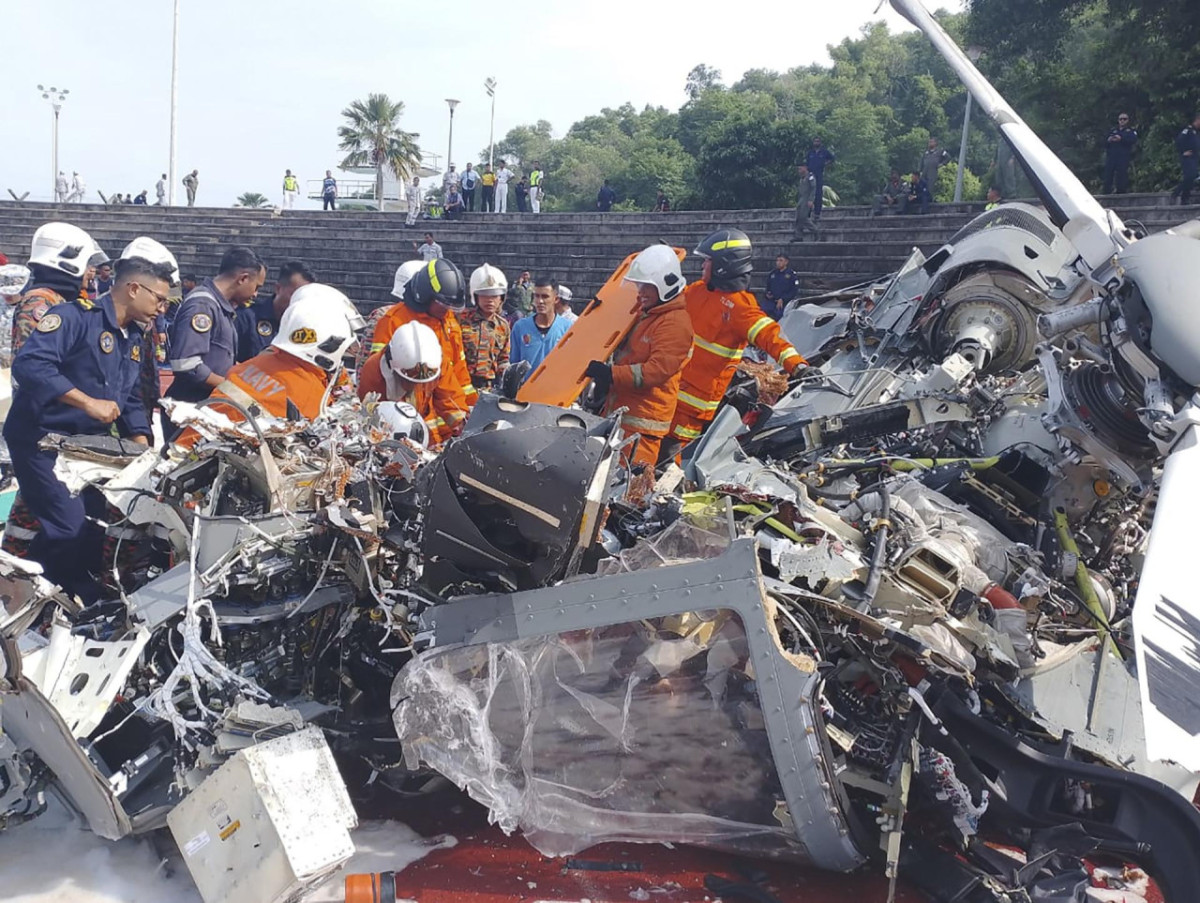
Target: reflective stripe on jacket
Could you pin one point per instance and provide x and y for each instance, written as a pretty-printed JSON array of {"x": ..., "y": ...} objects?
[{"x": 725, "y": 323}]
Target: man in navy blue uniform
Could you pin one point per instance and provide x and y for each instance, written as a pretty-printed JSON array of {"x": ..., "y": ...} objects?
[
  {"x": 203, "y": 338},
  {"x": 1187, "y": 143},
  {"x": 257, "y": 324},
  {"x": 78, "y": 374},
  {"x": 818, "y": 158},
  {"x": 1118, "y": 151}
]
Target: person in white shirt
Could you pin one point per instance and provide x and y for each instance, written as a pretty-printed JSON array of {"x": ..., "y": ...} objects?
[
  {"x": 503, "y": 174},
  {"x": 429, "y": 249},
  {"x": 563, "y": 306},
  {"x": 77, "y": 186},
  {"x": 160, "y": 189},
  {"x": 414, "y": 201},
  {"x": 61, "y": 189},
  {"x": 451, "y": 178}
]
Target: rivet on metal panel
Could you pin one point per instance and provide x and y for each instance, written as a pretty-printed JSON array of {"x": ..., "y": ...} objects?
[
  {"x": 721, "y": 587},
  {"x": 592, "y": 607}
]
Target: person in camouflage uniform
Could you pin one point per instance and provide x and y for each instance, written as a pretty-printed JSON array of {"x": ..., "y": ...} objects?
[{"x": 485, "y": 331}]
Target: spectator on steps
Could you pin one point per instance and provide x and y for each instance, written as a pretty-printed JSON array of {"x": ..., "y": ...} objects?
[
  {"x": 1187, "y": 145},
  {"x": 606, "y": 198},
  {"x": 1118, "y": 151},
  {"x": 891, "y": 199},
  {"x": 519, "y": 301},
  {"x": 932, "y": 160},
  {"x": 919, "y": 197},
  {"x": 329, "y": 192},
  {"x": 141, "y": 200},
  {"x": 160, "y": 191},
  {"x": 77, "y": 189},
  {"x": 454, "y": 203},
  {"x": 782, "y": 286},
  {"x": 451, "y": 178},
  {"x": 522, "y": 195},
  {"x": 488, "y": 181},
  {"x": 662, "y": 203},
  {"x": 191, "y": 182},
  {"x": 413, "y": 196},
  {"x": 994, "y": 198},
  {"x": 61, "y": 188},
  {"x": 536, "y": 178},
  {"x": 428, "y": 249},
  {"x": 535, "y": 336},
  {"x": 806, "y": 205},
  {"x": 503, "y": 176},
  {"x": 291, "y": 190},
  {"x": 817, "y": 159},
  {"x": 470, "y": 178}
]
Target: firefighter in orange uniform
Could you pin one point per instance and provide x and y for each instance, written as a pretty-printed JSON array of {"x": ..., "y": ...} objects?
[
  {"x": 409, "y": 370},
  {"x": 301, "y": 364},
  {"x": 726, "y": 318},
  {"x": 432, "y": 296},
  {"x": 646, "y": 368}
]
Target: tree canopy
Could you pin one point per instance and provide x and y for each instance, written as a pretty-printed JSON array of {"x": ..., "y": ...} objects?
[
  {"x": 372, "y": 136},
  {"x": 1067, "y": 66}
]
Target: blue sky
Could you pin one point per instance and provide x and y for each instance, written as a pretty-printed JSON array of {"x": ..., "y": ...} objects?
[{"x": 262, "y": 82}]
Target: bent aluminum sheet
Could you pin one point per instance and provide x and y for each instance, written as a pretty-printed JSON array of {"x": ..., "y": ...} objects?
[{"x": 778, "y": 690}]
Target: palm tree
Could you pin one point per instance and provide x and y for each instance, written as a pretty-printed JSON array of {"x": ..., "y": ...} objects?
[
  {"x": 372, "y": 137},
  {"x": 253, "y": 199}
]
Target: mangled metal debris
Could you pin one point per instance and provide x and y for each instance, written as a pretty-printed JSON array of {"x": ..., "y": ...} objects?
[{"x": 942, "y": 580}]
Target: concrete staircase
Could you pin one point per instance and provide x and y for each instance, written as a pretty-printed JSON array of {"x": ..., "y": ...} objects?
[{"x": 359, "y": 252}]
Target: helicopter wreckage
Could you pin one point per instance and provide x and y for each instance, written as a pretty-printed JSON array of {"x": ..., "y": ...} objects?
[{"x": 938, "y": 580}]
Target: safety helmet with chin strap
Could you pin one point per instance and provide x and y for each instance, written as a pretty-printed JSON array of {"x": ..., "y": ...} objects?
[{"x": 731, "y": 255}]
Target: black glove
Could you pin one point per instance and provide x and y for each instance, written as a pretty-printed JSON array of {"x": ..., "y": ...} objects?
[
  {"x": 513, "y": 376},
  {"x": 601, "y": 376}
]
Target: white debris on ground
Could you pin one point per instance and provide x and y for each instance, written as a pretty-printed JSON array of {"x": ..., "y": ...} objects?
[{"x": 53, "y": 860}]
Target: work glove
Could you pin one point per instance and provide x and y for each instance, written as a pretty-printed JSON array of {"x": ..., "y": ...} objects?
[{"x": 601, "y": 376}]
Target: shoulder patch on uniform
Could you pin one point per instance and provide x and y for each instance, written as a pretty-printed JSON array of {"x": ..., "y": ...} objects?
[
  {"x": 303, "y": 336},
  {"x": 107, "y": 342},
  {"x": 135, "y": 353},
  {"x": 265, "y": 328},
  {"x": 49, "y": 323},
  {"x": 201, "y": 322}
]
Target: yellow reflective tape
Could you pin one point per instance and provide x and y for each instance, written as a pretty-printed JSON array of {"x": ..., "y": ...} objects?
[
  {"x": 636, "y": 369},
  {"x": 759, "y": 325},
  {"x": 699, "y": 403},
  {"x": 734, "y": 354},
  {"x": 643, "y": 423},
  {"x": 686, "y": 432},
  {"x": 732, "y": 243},
  {"x": 433, "y": 279},
  {"x": 377, "y": 346},
  {"x": 788, "y": 355},
  {"x": 469, "y": 389}
]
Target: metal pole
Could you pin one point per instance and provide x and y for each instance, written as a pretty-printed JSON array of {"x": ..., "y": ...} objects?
[
  {"x": 962, "y": 151},
  {"x": 174, "y": 106},
  {"x": 54, "y": 165},
  {"x": 450, "y": 143},
  {"x": 492, "y": 134}
]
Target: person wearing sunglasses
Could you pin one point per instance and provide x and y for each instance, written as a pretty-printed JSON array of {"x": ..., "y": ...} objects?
[
  {"x": 77, "y": 374},
  {"x": 1118, "y": 151}
]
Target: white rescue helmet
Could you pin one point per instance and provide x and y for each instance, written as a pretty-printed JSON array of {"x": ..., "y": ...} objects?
[
  {"x": 488, "y": 280},
  {"x": 402, "y": 420},
  {"x": 414, "y": 353},
  {"x": 318, "y": 326},
  {"x": 404, "y": 272},
  {"x": 149, "y": 249},
  {"x": 62, "y": 247},
  {"x": 658, "y": 265}
]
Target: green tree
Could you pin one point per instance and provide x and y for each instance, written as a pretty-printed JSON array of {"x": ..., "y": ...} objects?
[
  {"x": 372, "y": 136},
  {"x": 253, "y": 199},
  {"x": 702, "y": 78}
]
